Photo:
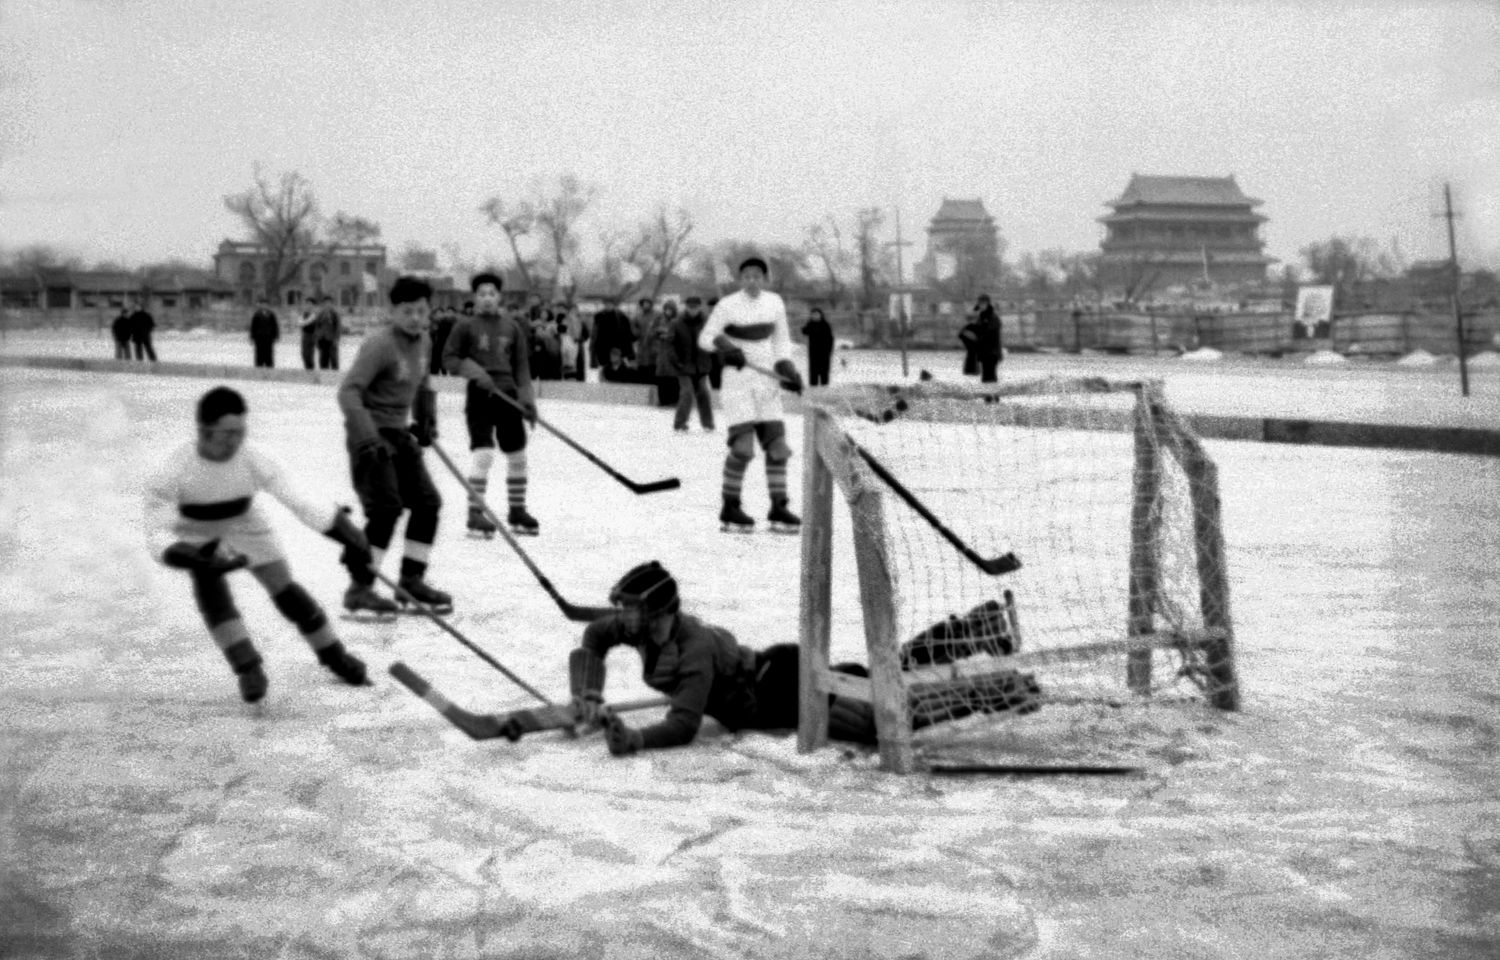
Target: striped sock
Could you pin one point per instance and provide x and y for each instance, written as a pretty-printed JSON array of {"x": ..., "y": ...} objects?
[
  {"x": 734, "y": 476},
  {"x": 515, "y": 478},
  {"x": 480, "y": 485},
  {"x": 776, "y": 480},
  {"x": 414, "y": 556}
]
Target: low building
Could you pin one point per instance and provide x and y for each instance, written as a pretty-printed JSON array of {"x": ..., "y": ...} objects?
[{"x": 353, "y": 274}]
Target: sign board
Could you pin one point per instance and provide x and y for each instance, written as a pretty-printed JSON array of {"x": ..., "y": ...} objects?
[{"x": 1314, "y": 305}]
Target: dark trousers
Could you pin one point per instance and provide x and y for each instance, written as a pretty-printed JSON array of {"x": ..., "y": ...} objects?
[
  {"x": 390, "y": 484},
  {"x": 817, "y": 370},
  {"x": 122, "y": 349},
  {"x": 689, "y": 389},
  {"x": 143, "y": 348},
  {"x": 666, "y": 390},
  {"x": 987, "y": 369},
  {"x": 328, "y": 354},
  {"x": 309, "y": 344},
  {"x": 265, "y": 353},
  {"x": 777, "y": 669}
]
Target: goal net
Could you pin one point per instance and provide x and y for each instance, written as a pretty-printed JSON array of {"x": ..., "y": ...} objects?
[{"x": 1007, "y": 557}]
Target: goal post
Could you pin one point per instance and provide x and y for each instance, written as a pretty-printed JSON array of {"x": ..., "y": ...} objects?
[{"x": 1099, "y": 499}]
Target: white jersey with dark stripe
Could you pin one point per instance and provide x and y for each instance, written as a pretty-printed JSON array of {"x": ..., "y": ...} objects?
[
  {"x": 189, "y": 496},
  {"x": 758, "y": 326}
]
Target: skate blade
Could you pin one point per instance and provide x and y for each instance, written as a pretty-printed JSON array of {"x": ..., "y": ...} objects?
[
  {"x": 736, "y": 528},
  {"x": 785, "y": 529},
  {"x": 413, "y": 610},
  {"x": 367, "y": 616},
  {"x": 525, "y": 532},
  {"x": 481, "y": 535}
]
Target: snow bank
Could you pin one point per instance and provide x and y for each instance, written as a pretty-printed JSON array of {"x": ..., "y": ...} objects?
[
  {"x": 1203, "y": 355},
  {"x": 1418, "y": 358},
  {"x": 1325, "y": 358},
  {"x": 1487, "y": 360}
]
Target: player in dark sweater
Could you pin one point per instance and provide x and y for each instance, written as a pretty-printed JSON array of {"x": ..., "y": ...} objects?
[
  {"x": 491, "y": 351},
  {"x": 390, "y": 413}
]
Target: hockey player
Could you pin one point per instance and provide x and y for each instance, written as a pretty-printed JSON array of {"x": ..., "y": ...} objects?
[
  {"x": 202, "y": 517},
  {"x": 390, "y": 413},
  {"x": 491, "y": 351},
  {"x": 705, "y": 671},
  {"x": 751, "y": 325}
]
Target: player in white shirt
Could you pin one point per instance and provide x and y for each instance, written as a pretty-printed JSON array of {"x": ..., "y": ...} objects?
[
  {"x": 750, "y": 327},
  {"x": 201, "y": 517}
]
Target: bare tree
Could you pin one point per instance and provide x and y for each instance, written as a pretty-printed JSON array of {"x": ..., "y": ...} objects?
[
  {"x": 873, "y": 256},
  {"x": 516, "y": 221},
  {"x": 556, "y": 215},
  {"x": 282, "y": 217},
  {"x": 625, "y": 262},
  {"x": 788, "y": 265},
  {"x": 42, "y": 256},
  {"x": 349, "y": 230},
  {"x": 665, "y": 244},
  {"x": 823, "y": 243}
]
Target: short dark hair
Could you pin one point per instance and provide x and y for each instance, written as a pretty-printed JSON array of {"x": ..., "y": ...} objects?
[
  {"x": 218, "y": 403},
  {"x": 693, "y": 301},
  {"x": 645, "y": 302},
  {"x": 410, "y": 290},
  {"x": 480, "y": 279},
  {"x": 327, "y": 298},
  {"x": 749, "y": 262}
]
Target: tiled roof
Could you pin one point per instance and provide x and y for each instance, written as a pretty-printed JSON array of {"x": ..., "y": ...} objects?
[
  {"x": 962, "y": 210},
  {"x": 1186, "y": 191}
]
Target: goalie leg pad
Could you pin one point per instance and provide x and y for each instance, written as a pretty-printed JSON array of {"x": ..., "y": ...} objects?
[
  {"x": 585, "y": 672},
  {"x": 850, "y": 720}
]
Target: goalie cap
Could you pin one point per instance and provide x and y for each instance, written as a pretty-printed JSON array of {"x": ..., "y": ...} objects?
[{"x": 648, "y": 586}]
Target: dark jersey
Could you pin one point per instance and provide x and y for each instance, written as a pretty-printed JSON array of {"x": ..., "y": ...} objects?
[
  {"x": 702, "y": 668},
  {"x": 385, "y": 385},
  {"x": 493, "y": 344}
]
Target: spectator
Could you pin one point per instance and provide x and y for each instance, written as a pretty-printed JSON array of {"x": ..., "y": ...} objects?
[
  {"x": 442, "y": 325},
  {"x": 645, "y": 350},
  {"x": 120, "y": 330},
  {"x": 578, "y": 331},
  {"x": 265, "y": 330},
  {"x": 819, "y": 347},
  {"x": 309, "y": 337},
  {"x": 612, "y": 332},
  {"x": 715, "y": 362},
  {"x": 546, "y": 349},
  {"x": 617, "y": 369},
  {"x": 330, "y": 327},
  {"x": 692, "y": 365},
  {"x": 988, "y": 349},
  {"x": 665, "y": 368},
  {"x": 141, "y": 325}
]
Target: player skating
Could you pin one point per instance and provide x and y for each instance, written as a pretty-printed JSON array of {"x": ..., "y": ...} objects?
[
  {"x": 706, "y": 672},
  {"x": 491, "y": 351},
  {"x": 202, "y": 518},
  {"x": 750, "y": 326},
  {"x": 390, "y": 413}
]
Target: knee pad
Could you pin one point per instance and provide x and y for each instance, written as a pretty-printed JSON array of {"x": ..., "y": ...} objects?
[
  {"x": 215, "y": 602},
  {"x": 298, "y": 606},
  {"x": 742, "y": 447},
  {"x": 851, "y": 720}
]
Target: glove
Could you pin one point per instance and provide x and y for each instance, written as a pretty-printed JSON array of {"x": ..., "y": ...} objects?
[
  {"x": 356, "y": 546},
  {"x": 528, "y": 411},
  {"x": 483, "y": 382},
  {"x": 372, "y": 448},
  {"x": 790, "y": 378},
  {"x": 210, "y": 557},
  {"x": 621, "y": 740},
  {"x": 734, "y": 357},
  {"x": 588, "y": 709},
  {"x": 425, "y": 431}
]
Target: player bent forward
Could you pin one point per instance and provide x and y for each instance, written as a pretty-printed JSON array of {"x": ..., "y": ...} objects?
[
  {"x": 390, "y": 413},
  {"x": 202, "y": 518},
  {"x": 706, "y": 672},
  {"x": 750, "y": 325}
]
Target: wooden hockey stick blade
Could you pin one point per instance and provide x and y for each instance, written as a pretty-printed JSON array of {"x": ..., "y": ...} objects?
[
  {"x": 518, "y": 723},
  {"x": 1031, "y": 770},
  {"x": 671, "y": 483},
  {"x": 477, "y": 726},
  {"x": 1005, "y": 563}
]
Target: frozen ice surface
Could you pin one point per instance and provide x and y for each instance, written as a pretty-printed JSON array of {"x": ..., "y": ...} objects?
[{"x": 1349, "y": 810}]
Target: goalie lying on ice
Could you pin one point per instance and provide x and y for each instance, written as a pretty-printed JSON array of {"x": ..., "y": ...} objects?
[{"x": 706, "y": 671}]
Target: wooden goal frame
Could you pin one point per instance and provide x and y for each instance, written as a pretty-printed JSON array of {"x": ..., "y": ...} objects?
[{"x": 831, "y": 461}]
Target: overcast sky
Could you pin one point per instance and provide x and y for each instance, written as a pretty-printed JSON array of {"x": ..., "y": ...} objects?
[{"x": 123, "y": 124}]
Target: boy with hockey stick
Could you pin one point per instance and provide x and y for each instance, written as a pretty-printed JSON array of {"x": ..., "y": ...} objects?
[
  {"x": 390, "y": 413},
  {"x": 750, "y": 326},
  {"x": 705, "y": 671},
  {"x": 202, "y": 518},
  {"x": 491, "y": 351}
]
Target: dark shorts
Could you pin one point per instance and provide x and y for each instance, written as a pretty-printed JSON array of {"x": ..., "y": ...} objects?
[
  {"x": 771, "y": 433},
  {"x": 491, "y": 419},
  {"x": 399, "y": 483}
]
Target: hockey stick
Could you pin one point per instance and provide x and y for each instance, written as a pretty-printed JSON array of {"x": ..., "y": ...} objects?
[
  {"x": 655, "y": 486},
  {"x": 436, "y": 618},
  {"x": 1030, "y": 770},
  {"x": 512, "y": 726},
  {"x": 994, "y": 566},
  {"x": 573, "y": 611}
]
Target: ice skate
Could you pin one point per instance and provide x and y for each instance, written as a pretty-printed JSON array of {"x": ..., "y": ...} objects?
[
  {"x": 733, "y": 518},
  {"x": 480, "y": 526},
  {"x": 783, "y": 520},
  {"x": 522, "y": 522},
  {"x": 417, "y": 589},
  {"x": 362, "y": 603},
  {"x": 344, "y": 665}
]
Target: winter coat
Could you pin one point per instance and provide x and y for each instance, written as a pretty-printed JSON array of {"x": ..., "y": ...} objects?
[
  {"x": 612, "y": 331},
  {"x": 688, "y": 359},
  {"x": 819, "y": 334},
  {"x": 264, "y": 326}
]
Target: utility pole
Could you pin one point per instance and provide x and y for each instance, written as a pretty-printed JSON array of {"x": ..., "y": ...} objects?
[
  {"x": 1458, "y": 313},
  {"x": 901, "y": 318}
]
